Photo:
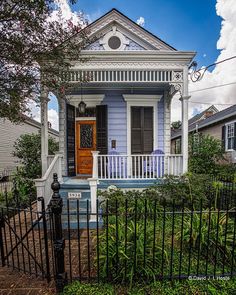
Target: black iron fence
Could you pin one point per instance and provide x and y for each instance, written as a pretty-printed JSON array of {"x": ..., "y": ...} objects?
[
  {"x": 24, "y": 240},
  {"x": 124, "y": 241},
  {"x": 142, "y": 240}
]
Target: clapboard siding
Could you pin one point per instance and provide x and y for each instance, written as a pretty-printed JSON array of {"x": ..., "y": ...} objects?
[
  {"x": 117, "y": 122},
  {"x": 160, "y": 127},
  {"x": 9, "y": 133}
]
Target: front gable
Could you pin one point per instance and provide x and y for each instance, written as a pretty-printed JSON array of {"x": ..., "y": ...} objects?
[
  {"x": 115, "y": 32},
  {"x": 130, "y": 44}
]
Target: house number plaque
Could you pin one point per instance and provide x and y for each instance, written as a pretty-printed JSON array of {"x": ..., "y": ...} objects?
[{"x": 74, "y": 195}]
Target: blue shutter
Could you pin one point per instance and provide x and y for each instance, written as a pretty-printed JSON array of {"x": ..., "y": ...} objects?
[
  {"x": 223, "y": 137},
  {"x": 70, "y": 118},
  {"x": 102, "y": 130},
  {"x": 235, "y": 136}
]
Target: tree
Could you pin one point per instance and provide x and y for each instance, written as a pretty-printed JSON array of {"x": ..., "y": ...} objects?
[
  {"x": 176, "y": 125},
  {"x": 204, "y": 153},
  {"x": 28, "y": 149},
  {"x": 35, "y": 48}
]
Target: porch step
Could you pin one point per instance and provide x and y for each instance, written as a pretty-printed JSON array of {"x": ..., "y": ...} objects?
[{"x": 74, "y": 185}]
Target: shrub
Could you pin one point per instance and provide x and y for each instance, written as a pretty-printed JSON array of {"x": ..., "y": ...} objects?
[
  {"x": 24, "y": 191},
  {"x": 226, "y": 172},
  {"x": 204, "y": 153},
  {"x": 28, "y": 149},
  {"x": 189, "y": 188}
]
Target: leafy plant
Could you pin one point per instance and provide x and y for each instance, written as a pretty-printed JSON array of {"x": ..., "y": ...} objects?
[
  {"x": 210, "y": 229},
  {"x": 226, "y": 172},
  {"x": 28, "y": 149},
  {"x": 24, "y": 191},
  {"x": 204, "y": 153},
  {"x": 32, "y": 55},
  {"x": 126, "y": 250}
]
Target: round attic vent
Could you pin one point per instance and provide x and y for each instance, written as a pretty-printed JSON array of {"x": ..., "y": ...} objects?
[{"x": 114, "y": 42}]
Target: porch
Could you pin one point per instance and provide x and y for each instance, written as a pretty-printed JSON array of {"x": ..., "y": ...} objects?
[{"x": 130, "y": 167}]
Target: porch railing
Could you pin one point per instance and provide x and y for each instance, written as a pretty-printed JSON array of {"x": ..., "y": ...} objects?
[
  {"x": 50, "y": 158},
  {"x": 136, "y": 166},
  {"x": 43, "y": 185}
]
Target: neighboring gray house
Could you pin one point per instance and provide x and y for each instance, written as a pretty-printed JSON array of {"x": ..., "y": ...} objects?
[
  {"x": 219, "y": 124},
  {"x": 10, "y": 132}
]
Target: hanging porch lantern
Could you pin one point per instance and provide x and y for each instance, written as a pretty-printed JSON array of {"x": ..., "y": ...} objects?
[
  {"x": 82, "y": 107},
  {"x": 82, "y": 104}
]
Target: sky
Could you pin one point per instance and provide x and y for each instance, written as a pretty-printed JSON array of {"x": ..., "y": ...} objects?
[{"x": 205, "y": 26}]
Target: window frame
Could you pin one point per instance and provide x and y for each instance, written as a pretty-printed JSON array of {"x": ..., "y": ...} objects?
[{"x": 232, "y": 123}]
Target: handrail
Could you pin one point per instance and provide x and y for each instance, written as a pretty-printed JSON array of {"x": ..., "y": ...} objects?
[
  {"x": 49, "y": 160},
  {"x": 43, "y": 185}
]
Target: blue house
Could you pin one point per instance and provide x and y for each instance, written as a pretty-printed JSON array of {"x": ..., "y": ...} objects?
[{"x": 115, "y": 128}]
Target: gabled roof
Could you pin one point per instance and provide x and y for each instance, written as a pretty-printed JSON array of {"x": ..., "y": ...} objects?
[
  {"x": 200, "y": 116},
  {"x": 214, "y": 119},
  {"x": 115, "y": 16}
]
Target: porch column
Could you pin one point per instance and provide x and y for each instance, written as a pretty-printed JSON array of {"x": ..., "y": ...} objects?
[
  {"x": 93, "y": 193},
  {"x": 62, "y": 133},
  {"x": 184, "y": 103},
  {"x": 95, "y": 164},
  {"x": 44, "y": 130}
]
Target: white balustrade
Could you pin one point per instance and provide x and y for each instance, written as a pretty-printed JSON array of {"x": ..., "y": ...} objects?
[
  {"x": 43, "y": 185},
  {"x": 136, "y": 166}
]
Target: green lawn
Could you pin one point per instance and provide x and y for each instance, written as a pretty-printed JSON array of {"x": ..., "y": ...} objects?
[{"x": 187, "y": 287}]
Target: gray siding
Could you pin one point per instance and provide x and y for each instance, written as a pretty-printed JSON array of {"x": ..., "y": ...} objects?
[
  {"x": 117, "y": 122},
  {"x": 9, "y": 133}
]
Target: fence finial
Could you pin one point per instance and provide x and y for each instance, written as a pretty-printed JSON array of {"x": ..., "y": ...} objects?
[
  {"x": 55, "y": 186},
  {"x": 56, "y": 205}
]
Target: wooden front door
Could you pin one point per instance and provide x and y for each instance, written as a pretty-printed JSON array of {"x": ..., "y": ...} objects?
[{"x": 85, "y": 144}]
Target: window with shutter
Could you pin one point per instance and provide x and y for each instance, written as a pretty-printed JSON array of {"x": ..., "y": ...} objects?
[
  {"x": 141, "y": 130},
  {"x": 230, "y": 136}
]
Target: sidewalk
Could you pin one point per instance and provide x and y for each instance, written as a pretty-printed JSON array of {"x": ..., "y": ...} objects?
[{"x": 14, "y": 283}]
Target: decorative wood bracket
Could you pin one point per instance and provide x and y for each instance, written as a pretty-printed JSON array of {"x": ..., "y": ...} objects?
[{"x": 174, "y": 88}]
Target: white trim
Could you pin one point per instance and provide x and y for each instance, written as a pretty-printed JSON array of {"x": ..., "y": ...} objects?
[
  {"x": 141, "y": 100},
  {"x": 138, "y": 97},
  {"x": 230, "y": 122},
  {"x": 226, "y": 135},
  {"x": 167, "y": 128},
  {"x": 91, "y": 100},
  {"x": 85, "y": 119},
  {"x": 114, "y": 17},
  {"x": 114, "y": 32}
]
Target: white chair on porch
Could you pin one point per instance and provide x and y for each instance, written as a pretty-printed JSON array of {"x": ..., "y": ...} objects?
[
  {"x": 155, "y": 165},
  {"x": 116, "y": 167}
]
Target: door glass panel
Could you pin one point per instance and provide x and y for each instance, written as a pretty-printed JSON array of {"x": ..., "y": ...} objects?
[{"x": 86, "y": 136}]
